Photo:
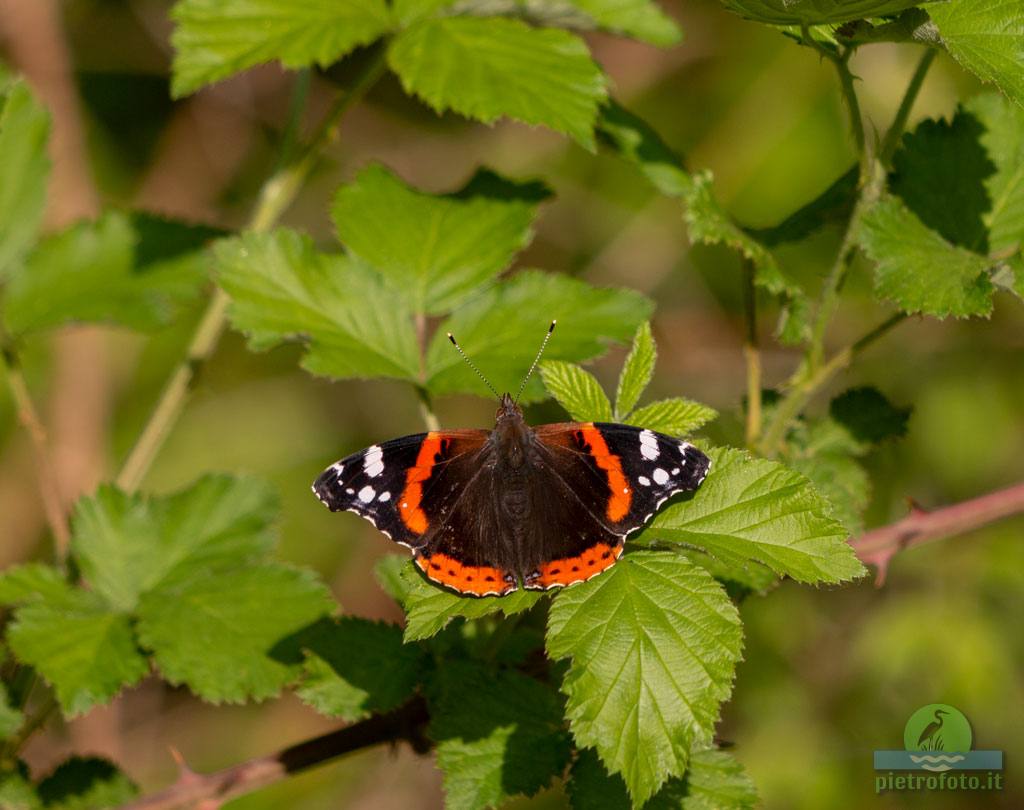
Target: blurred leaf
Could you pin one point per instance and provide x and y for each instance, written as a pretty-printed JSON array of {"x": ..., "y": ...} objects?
[
  {"x": 10, "y": 718},
  {"x": 920, "y": 271},
  {"x": 127, "y": 545},
  {"x": 754, "y": 509},
  {"x": 987, "y": 39},
  {"x": 634, "y": 140},
  {"x": 214, "y": 39},
  {"x": 576, "y": 390},
  {"x": 355, "y": 667},
  {"x": 869, "y": 416},
  {"x": 939, "y": 172},
  {"x": 214, "y": 632},
  {"x": 709, "y": 223},
  {"x": 282, "y": 288},
  {"x": 487, "y": 68},
  {"x": 815, "y": 12},
  {"x": 673, "y": 417},
  {"x": 1003, "y": 139},
  {"x": 498, "y": 734},
  {"x": 85, "y": 650},
  {"x": 16, "y": 791},
  {"x": 24, "y": 169},
  {"x": 713, "y": 781},
  {"x": 834, "y": 205},
  {"x": 435, "y": 250},
  {"x": 429, "y": 608},
  {"x": 86, "y": 783},
  {"x": 636, "y": 371},
  {"x": 1009, "y": 276},
  {"x": 88, "y": 272},
  {"x": 388, "y": 571},
  {"x": 33, "y": 582},
  {"x": 653, "y": 645},
  {"x": 588, "y": 318},
  {"x": 640, "y": 19}
]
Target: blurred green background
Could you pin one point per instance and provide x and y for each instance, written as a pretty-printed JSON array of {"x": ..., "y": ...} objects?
[{"x": 829, "y": 674}]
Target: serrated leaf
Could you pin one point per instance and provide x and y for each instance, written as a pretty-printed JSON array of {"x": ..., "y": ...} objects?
[
  {"x": 1009, "y": 276},
  {"x": 636, "y": 371},
  {"x": 489, "y": 68},
  {"x": 355, "y": 667},
  {"x": 634, "y": 140},
  {"x": 713, "y": 781},
  {"x": 435, "y": 250},
  {"x": 833, "y": 206},
  {"x": 576, "y": 390},
  {"x": 709, "y": 223},
  {"x": 817, "y": 12},
  {"x": 640, "y": 19},
  {"x": 10, "y": 718},
  {"x": 653, "y": 645},
  {"x": 986, "y": 38},
  {"x": 588, "y": 319},
  {"x": 88, "y": 272},
  {"x": 24, "y": 169},
  {"x": 34, "y": 582},
  {"x": 738, "y": 580},
  {"x": 85, "y": 783},
  {"x": 498, "y": 734},
  {"x": 673, "y": 417},
  {"x": 215, "y": 39},
  {"x": 127, "y": 545},
  {"x": 1003, "y": 139},
  {"x": 86, "y": 651},
  {"x": 940, "y": 173},
  {"x": 429, "y": 608},
  {"x": 216, "y": 633},
  {"x": 283, "y": 289},
  {"x": 755, "y": 509},
  {"x": 869, "y": 416},
  {"x": 920, "y": 271}
]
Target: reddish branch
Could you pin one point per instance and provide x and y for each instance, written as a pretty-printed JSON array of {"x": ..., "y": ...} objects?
[{"x": 878, "y": 546}]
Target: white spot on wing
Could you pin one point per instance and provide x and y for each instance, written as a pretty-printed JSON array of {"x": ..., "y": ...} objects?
[
  {"x": 384, "y": 497},
  {"x": 644, "y": 481},
  {"x": 366, "y": 494},
  {"x": 373, "y": 461},
  {"x": 338, "y": 467},
  {"x": 660, "y": 476},
  {"x": 649, "y": 445}
]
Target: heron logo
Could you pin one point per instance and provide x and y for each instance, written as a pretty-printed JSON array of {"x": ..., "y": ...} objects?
[{"x": 938, "y": 738}]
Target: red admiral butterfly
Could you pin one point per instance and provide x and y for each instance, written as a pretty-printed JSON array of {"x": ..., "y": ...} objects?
[{"x": 487, "y": 511}]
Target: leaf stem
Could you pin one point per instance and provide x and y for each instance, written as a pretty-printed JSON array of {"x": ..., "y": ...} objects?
[
  {"x": 899, "y": 123},
  {"x": 276, "y": 196},
  {"x": 752, "y": 355}
]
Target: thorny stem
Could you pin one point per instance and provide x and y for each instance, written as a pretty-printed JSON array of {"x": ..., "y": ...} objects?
[
  {"x": 752, "y": 354},
  {"x": 276, "y": 195}
]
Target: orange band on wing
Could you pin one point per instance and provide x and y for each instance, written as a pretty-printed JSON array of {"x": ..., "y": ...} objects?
[
  {"x": 478, "y": 580},
  {"x": 409, "y": 507},
  {"x": 570, "y": 570},
  {"x": 621, "y": 493}
]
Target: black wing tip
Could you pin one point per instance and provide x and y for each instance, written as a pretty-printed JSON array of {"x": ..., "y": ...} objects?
[
  {"x": 696, "y": 464},
  {"x": 327, "y": 488}
]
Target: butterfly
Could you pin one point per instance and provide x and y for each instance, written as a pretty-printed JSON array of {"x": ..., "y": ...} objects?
[{"x": 488, "y": 511}]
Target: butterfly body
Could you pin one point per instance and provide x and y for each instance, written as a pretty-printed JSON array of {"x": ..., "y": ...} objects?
[{"x": 486, "y": 512}]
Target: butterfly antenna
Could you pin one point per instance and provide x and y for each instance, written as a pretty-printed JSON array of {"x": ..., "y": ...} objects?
[
  {"x": 536, "y": 360},
  {"x": 470, "y": 363}
]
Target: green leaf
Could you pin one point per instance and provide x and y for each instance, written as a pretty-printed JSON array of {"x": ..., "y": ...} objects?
[
  {"x": 388, "y": 571},
  {"x": 832, "y": 207},
  {"x": 636, "y": 371},
  {"x": 738, "y": 580},
  {"x": 10, "y": 718},
  {"x": 1009, "y": 276},
  {"x": 86, "y": 783},
  {"x": 709, "y": 223},
  {"x": 354, "y": 325},
  {"x": 216, "y": 633},
  {"x": 869, "y": 416},
  {"x": 816, "y": 12},
  {"x": 588, "y": 318},
  {"x": 754, "y": 509},
  {"x": 986, "y": 38},
  {"x": 673, "y": 417},
  {"x": 1003, "y": 139},
  {"x": 16, "y": 791},
  {"x": 24, "y": 168},
  {"x": 498, "y": 734},
  {"x": 487, "y": 68},
  {"x": 635, "y": 141},
  {"x": 128, "y": 545},
  {"x": 576, "y": 390},
  {"x": 640, "y": 19},
  {"x": 215, "y": 39},
  {"x": 920, "y": 271},
  {"x": 355, "y": 667},
  {"x": 653, "y": 645},
  {"x": 713, "y": 781},
  {"x": 939, "y": 172},
  {"x": 34, "y": 582},
  {"x": 88, "y": 272},
  {"x": 429, "y": 607},
  {"x": 86, "y": 651},
  {"x": 435, "y": 250}
]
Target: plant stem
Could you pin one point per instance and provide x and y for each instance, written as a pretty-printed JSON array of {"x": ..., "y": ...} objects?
[
  {"x": 49, "y": 486},
  {"x": 899, "y": 123},
  {"x": 276, "y": 196},
  {"x": 752, "y": 355},
  {"x": 802, "y": 392}
]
